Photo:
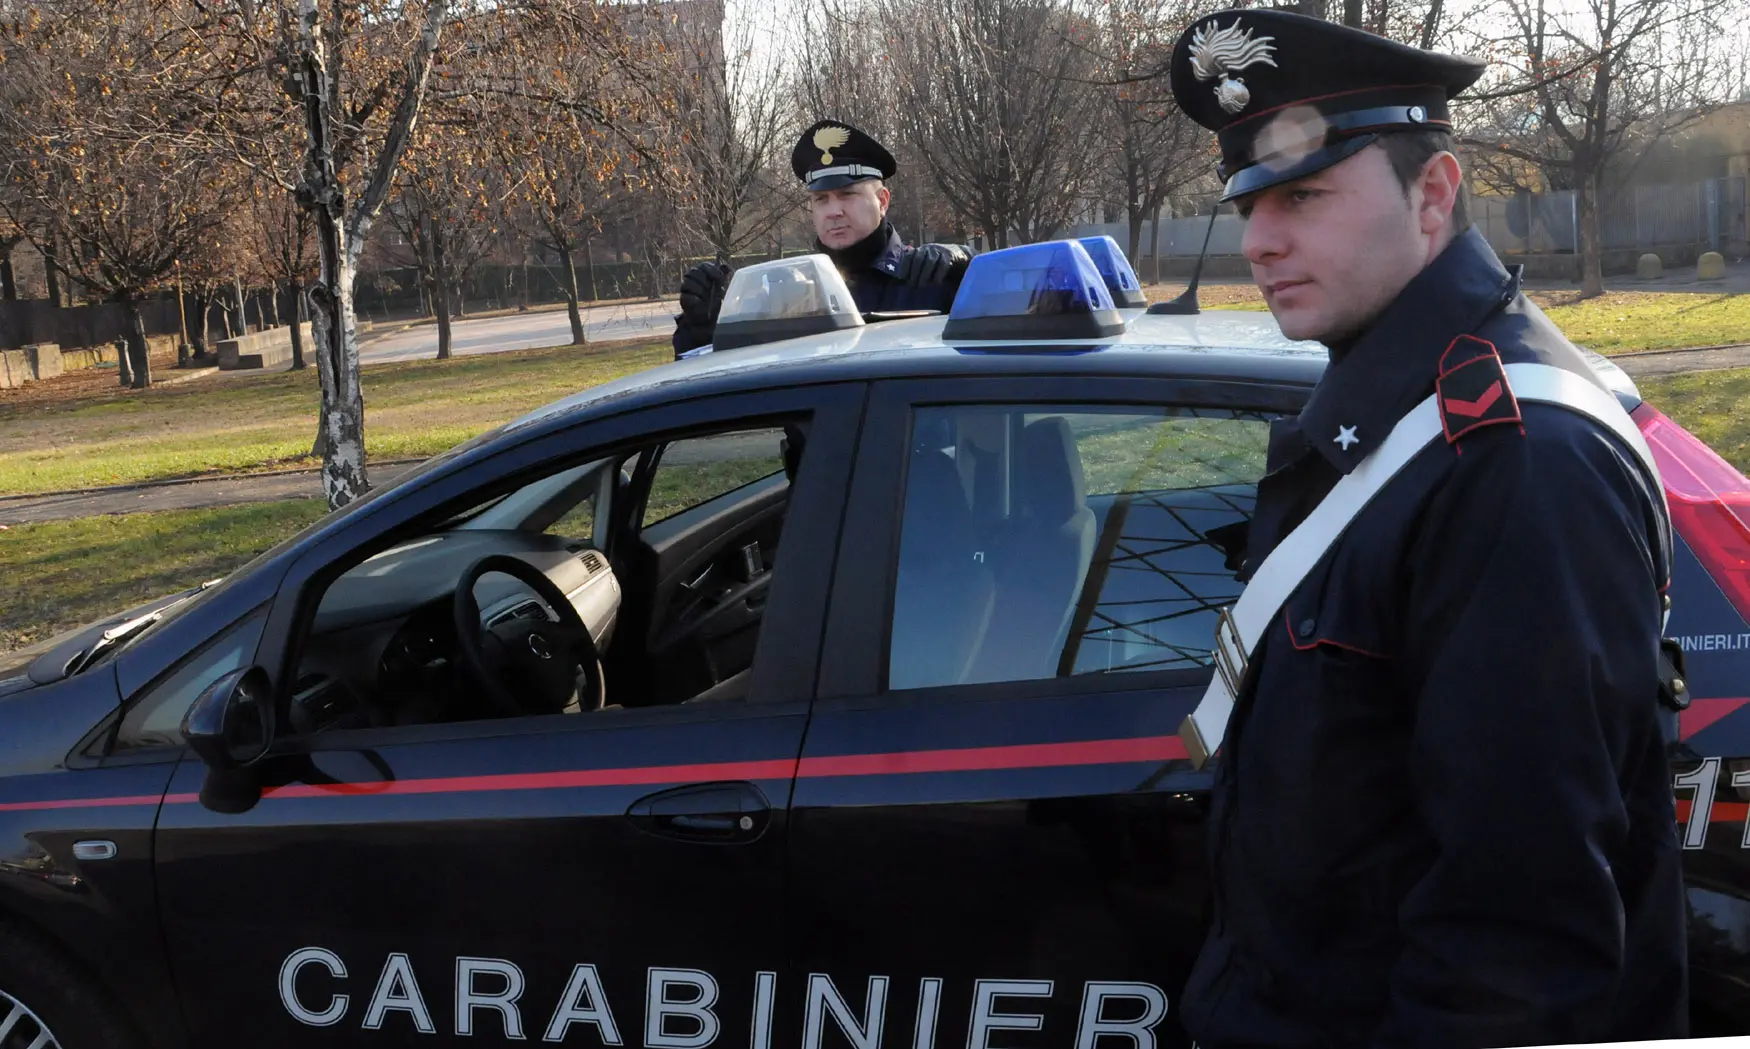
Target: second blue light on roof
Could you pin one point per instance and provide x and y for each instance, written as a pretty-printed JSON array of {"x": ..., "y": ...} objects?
[
  {"x": 1116, "y": 271},
  {"x": 1051, "y": 290}
]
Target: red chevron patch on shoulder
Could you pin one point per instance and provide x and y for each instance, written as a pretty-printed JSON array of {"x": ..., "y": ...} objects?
[{"x": 1473, "y": 389}]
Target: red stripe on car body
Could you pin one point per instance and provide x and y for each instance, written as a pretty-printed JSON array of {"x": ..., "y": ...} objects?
[{"x": 966, "y": 759}]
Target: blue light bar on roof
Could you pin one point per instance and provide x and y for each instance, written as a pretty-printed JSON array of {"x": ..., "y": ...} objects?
[
  {"x": 1115, "y": 270},
  {"x": 1051, "y": 290}
]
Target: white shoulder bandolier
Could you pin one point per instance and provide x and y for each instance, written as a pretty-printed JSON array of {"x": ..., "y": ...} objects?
[{"x": 1242, "y": 625}]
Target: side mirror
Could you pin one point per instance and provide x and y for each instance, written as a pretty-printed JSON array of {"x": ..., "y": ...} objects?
[{"x": 231, "y": 724}]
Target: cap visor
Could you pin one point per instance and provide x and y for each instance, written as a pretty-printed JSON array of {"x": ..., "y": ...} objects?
[{"x": 1264, "y": 174}]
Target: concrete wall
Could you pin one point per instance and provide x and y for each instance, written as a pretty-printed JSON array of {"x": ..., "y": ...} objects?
[
  {"x": 30, "y": 321},
  {"x": 265, "y": 349},
  {"x": 29, "y": 364}
]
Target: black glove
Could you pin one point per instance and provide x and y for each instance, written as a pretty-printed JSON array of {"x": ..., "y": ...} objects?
[
  {"x": 702, "y": 293},
  {"x": 935, "y": 263}
]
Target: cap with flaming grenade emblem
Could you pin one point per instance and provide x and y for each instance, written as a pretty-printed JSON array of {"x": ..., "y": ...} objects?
[
  {"x": 1289, "y": 95},
  {"x": 832, "y": 154}
]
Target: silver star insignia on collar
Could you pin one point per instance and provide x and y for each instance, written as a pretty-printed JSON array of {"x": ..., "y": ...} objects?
[{"x": 1346, "y": 437}]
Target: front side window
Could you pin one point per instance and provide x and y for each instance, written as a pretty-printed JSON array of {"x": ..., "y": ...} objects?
[
  {"x": 699, "y": 469},
  {"x": 1043, "y": 542}
]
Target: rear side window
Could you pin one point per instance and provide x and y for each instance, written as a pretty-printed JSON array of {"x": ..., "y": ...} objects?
[{"x": 1043, "y": 542}]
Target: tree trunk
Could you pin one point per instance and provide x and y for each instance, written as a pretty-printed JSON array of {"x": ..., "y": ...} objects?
[
  {"x": 1133, "y": 229},
  {"x": 341, "y": 429},
  {"x": 273, "y": 304},
  {"x": 137, "y": 348},
  {"x": 578, "y": 338},
  {"x": 241, "y": 307},
  {"x": 8, "y": 280},
  {"x": 295, "y": 306},
  {"x": 1352, "y": 13},
  {"x": 1157, "y": 242},
  {"x": 51, "y": 271},
  {"x": 441, "y": 292},
  {"x": 1591, "y": 244},
  {"x": 203, "y": 303},
  {"x": 1431, "y": 24},
  {"x": 523, "y": 304}
]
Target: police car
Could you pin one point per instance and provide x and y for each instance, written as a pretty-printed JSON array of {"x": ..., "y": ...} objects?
[{"x": 817, "y": 692}]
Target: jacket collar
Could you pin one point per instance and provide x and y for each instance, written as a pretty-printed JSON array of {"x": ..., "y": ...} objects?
[
  {"x": 881, "y": 250},
  {"x": 1375, "y": 380}
]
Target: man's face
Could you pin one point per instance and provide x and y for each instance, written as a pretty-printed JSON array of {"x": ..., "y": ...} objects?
[
  {"x": 1331, "y": 251},
  {"x": 846, "y": 215}
]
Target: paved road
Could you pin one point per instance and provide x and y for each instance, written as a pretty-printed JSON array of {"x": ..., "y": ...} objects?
[
  {"x": 524, "y": 331},
  {"x": 178, "y": 495},
  {"x": 1671, "y": 362}
]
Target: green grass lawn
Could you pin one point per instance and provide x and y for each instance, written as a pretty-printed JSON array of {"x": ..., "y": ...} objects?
[
  {"x": 1715, "y": 406},
  {"x": 254, "y": 422},
  {"x": 1615, "y": 322},
  {"x": 1621, "y": 322},
  {"x": 59, "y": 574}
]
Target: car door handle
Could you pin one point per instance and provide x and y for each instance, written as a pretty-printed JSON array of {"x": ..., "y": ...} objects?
[{"x": 717, "y": 813}]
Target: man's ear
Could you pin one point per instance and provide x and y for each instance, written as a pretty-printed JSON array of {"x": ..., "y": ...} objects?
[
  {"x": 884, "y": 197},
  {"x": 1440, "y": 184}
]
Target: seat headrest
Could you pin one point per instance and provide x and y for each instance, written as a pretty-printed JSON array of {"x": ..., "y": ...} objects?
[
  {"x": 938, "y": 525},
  {"x": 1050, "y": 482}
]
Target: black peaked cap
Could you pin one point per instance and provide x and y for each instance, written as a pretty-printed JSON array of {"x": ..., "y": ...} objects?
[
  {"x": 1289, "y": 95},
  {"x": 832, "y": 153}
]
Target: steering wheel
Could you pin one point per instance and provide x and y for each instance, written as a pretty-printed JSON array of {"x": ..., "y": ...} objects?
[{"x": 526, "y": 666}]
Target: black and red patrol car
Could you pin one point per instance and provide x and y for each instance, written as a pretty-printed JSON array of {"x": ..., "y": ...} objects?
[{"x": 818, "y": 693}]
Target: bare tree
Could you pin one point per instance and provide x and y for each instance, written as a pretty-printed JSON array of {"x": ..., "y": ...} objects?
[
  {"x": 1160, "y": 150},
  {"x": 1575, "y": 91},
  {"x": 734, "y": 114},
  {"x": 105, "y": 151},
  {"x": 994, "y": 98},
  {"x": 448, "y": 214},
  {"x": 280, "y": 240}
]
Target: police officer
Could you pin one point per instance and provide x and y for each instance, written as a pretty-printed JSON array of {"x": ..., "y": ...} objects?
[
  {"x": 844, "y": 171},
  {"x": 1442, "y": 813}
]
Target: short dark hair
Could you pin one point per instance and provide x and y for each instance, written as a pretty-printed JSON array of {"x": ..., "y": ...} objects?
[{"x": 1410, "y": 151}]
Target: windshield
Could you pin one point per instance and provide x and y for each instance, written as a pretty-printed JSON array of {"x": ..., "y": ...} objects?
[{"x": 194, "y": 599}]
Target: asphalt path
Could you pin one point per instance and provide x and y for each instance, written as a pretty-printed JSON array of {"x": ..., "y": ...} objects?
[{"x": 524, "y": 331}]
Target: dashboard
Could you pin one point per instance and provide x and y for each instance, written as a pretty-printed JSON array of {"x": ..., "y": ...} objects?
[{"x": 382, "y": 647}]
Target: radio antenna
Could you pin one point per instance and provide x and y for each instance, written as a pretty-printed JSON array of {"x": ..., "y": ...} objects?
[{"x": 1186, "y": 303}]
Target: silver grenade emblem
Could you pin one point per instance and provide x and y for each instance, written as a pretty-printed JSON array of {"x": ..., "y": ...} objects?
[{"x": 1219, "y": 53}]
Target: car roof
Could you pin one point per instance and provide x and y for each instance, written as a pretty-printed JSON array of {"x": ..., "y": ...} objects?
[
  {"x": 1233, "y": 345},
  {"x": 1222, "y": 344}
]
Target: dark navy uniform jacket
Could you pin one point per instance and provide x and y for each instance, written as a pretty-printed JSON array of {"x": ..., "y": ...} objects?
[
  {"x": 1443, "y": 814},
  {"x": 875, "y": 271}
]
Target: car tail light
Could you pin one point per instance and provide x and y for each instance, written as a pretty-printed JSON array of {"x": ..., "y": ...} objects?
[{"x": 1710, "y": 503}]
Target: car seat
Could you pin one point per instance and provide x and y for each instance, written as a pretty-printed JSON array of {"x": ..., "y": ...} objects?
[
  {"x": 1040, "y": 556},
  {"x": 944, "y": 593}
]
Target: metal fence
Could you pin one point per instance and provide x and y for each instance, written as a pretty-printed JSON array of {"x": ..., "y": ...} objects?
[{"x": 1709, "y": 215}]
